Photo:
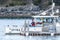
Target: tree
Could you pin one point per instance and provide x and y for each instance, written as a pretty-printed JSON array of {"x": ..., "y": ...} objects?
[
  {"x": 36, "y": 2},
  {"x": 11, "y": 4},
  {"x": 3, "y": 1}
]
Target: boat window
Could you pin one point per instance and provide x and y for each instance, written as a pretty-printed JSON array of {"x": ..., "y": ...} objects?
[
  {"x": 48, "y": 20},
  {"x": 44, "y": 20},
  {"x": 38, "y": 20}
]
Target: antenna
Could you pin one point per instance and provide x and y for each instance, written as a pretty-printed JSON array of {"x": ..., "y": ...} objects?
[{"x": 53, "y": 5}]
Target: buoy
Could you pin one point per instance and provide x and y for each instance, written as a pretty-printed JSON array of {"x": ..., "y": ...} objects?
[{"x": 52, "y": 34}]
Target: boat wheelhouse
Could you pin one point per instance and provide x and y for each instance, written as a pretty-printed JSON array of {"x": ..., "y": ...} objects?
[{"x": 43, "y": 24}]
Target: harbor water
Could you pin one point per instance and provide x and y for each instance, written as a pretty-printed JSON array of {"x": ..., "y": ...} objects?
[{"x": 5, "y": 22}]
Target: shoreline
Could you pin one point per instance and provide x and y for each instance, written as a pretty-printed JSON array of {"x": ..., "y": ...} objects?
[{"x": 15, "y": 17}]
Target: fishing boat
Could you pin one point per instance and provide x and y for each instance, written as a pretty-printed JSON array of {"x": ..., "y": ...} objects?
[{"x": 41, "y": 25}]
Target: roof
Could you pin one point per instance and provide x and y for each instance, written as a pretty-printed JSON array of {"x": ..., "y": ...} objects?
[{"x": 44, "y": 16}]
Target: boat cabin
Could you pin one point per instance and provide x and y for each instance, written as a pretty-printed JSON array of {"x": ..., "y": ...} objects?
[{"x": 43, "y": 23}]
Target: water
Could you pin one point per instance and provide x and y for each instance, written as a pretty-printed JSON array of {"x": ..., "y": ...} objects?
[{"x": 5, "y": 22}]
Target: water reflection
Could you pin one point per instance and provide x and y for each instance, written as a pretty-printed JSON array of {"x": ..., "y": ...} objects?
[
  {"x": 18, "y": 37},
  {"x": 32, "y": 37}
]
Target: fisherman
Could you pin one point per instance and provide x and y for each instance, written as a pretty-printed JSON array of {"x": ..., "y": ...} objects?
[{"x": 33, "y": 23}]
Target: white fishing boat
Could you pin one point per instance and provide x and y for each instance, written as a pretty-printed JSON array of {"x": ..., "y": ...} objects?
[{"x": 40, "y": 25}]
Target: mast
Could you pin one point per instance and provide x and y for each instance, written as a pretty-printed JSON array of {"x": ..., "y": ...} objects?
[{"x": 53, "y": 5}]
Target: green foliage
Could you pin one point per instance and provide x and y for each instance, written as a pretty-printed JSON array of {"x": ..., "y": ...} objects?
[
  {"x": 3, "y": 1},
  {"x": 6, "y": 6},
  {"x": 37, "y": 2},
  {"x": 49, "y": 3},
  {"x": 11, "y": 4},
  {"x": 17, "y": 2}
]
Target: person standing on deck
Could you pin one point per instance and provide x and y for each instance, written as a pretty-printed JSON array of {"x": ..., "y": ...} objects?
[{"x": 33, "y": 23}]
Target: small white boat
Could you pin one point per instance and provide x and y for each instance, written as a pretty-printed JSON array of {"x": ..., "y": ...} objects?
[{"x": 40, "y": 25}]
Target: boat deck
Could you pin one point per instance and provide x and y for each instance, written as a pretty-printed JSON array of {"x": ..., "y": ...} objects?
[{"x": 33, "y": 34}]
